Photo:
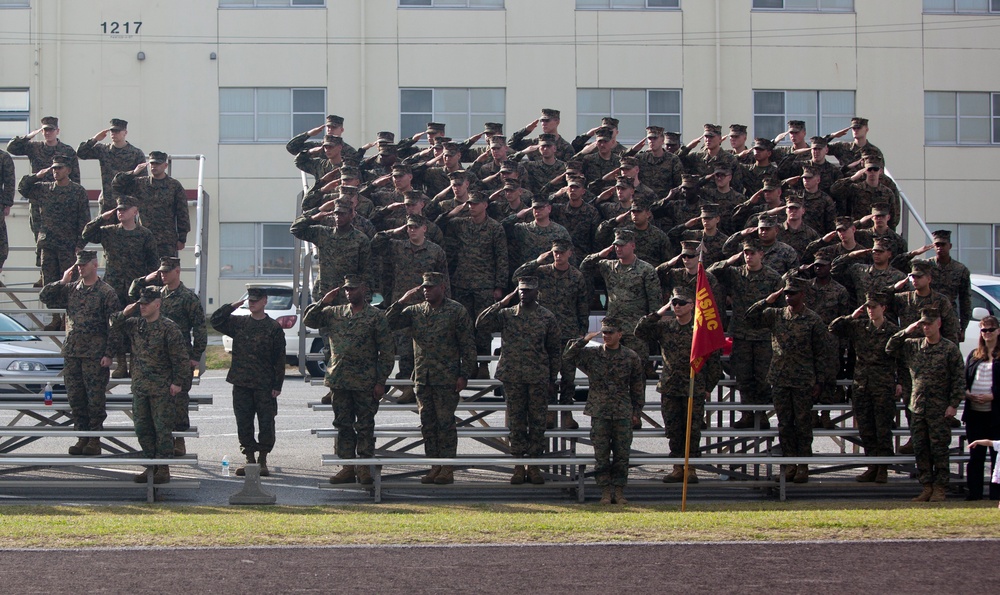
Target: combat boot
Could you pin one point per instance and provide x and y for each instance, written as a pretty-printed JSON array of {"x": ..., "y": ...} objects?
[
  {"x": 327, "y": 398},
  {"x": 445, "y": 476},
  {"x": 762, "y": 421},
  {"x": 550, "y": 420},
  {"x": 882, "y": 474},
  {"x": 262, "y": 461},
  {"x": 242, "y": 471},
  {"x": 692, "y": 475},
  {"x": 826, "y": 422},
  {"x": 568, "y": 423},
  {"x": 606, "y": 495},
  {"x": 345, "y": 475},
  {"x": 55, "y": 324},
  {"x": 619, "y": 496},
  {"x": 906, "y": 449},
  {"x": 144, "y": 476},
  {"x": 431, "y": 475},
  {"x": 364, "y": 475},
  {"x": 518, "y": 477},
  {"x": 121, "y": 370},
  {"x": 925, "y": 495},
  {"x": 77, "y": 449},
  {"x": 745, "y": 421},
  {"x": 676, "y": 476},
  {"x": 535, "y": 475},
  {"x": 817, "y": 422},
  {"x": 162, "y": 474},
  {"x": 483, "y": 373},
  {"x": 869, "y": 475},
  {"x": 93, "y": 447},
  {"x": 407, "y": 396},
  {"x": 789, "y": 471},
  {"x": 937, "y": 494},
  {"x": 180, "y": 448},
  {"x": 802, "y": 474}
]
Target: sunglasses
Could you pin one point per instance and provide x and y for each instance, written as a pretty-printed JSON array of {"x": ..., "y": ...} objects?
[
  {"x": 686, "y": 256},
  {"x": 873, "y": 169},
  {"x": 877, "y": 250},
  {"x": 991, "y": 329},
  {"x": 679, "y": 302}
]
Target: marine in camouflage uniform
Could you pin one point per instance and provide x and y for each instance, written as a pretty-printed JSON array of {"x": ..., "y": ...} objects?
[
  {"x": 862, "y": 278},
  {"x": 62, "y": 210},
  {"x": 88, "y": 342},
  {"x": 257, "y": 372},
  {"x": 710, "y": 236},
  {"x": 333, "y": 125},
  {"x": 539, "y": 172},
  {"x": 530, "y": 359},
  {"x": 651, "y": 244},
  {"x": 444, "y": 348},
  {"x": 704, "y": 162},
  {"x": 829, "y": 299},
  {"x": 674, "y": 336},
  {"x": 343, "y": 250},
  {"x": 183, "y": 306},
  {"x": 129, "y": 253},
  {"x": 614, "y": 401},
  {"x": 528, "y": 240},
  {"x": 162, "y": 202},
  {"x": 856, "y": 195},
  {"x": 361, "y": 358},
  {"x": 113, "y": 159},
  {"x": 908, "y": 304},
  {"x": 159, "y": 364},
  {"x": 7, "y": 185},
  {"x": 672, "y": 276},
  {"x": 949, "y": 276},
  {"x": 550, "y": 124},
  {"x": 799, "y": 366},
  {"x": 579, "y": 218},
  {"x": 937, "y": 374},
  {"x": 659, "y": 169}
]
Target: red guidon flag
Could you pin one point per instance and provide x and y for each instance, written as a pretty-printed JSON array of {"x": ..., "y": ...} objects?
[{"x": 707, "y": 323}]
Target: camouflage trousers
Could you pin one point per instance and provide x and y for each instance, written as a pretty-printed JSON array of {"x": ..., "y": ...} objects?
[
  {"x": 166, "y": 250},
  {"x": 567, "y": 381},
  {"x": 354, "y": 417},
  {"x": 86, "y": 385},
  {"x": 475, "y": 301},
  {"x": 404, "y": 349},
  {"x": 874, "y": 411},
  {"x": 793, "y": 405},
  {"x": 931, "y": 441},
  {"x": 611, "y": 437},
  {"x": 4, "y": 243},
  {"x": 55, "y": 261},
  {"x": 750, "y": 361},
  {"x": 249, "y": 403},
  {"x": 637, "y": 345},
  {"x": 675, "y": 414},
  {"x": 436, "y": 406},
  {"x": 526, "y": 409},
  {"x": 182, "y": 401},
  {"x": 154, "y": 422}
]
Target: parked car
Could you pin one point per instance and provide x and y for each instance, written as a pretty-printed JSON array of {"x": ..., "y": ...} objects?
[
  {"x": 26, "y": 356},
  {"x": 985, "y": 302}
]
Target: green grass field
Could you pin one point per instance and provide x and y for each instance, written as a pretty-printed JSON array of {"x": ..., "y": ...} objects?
[{"x": 207, "y": 526}]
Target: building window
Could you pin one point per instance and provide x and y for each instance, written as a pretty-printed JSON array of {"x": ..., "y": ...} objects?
[
  {"x": 976, "y": 245},
  {"x": 823, "y": 112},
  {"x": 255, "y": 250},
  {"x": 271, "y": 3},
  {"x": 634, "y": 108},
  {"x": 962, "y": 6},
  {"x": 462, "y": 111},
  {"x": 805, "y": 5},
  {"x": 626, "y": 4},
  {"x": 451, "y": 4},
  {"x": 953, "y": 118},
  {"x": 13, "y": 113},
  {"x": 268, "y": 115}
]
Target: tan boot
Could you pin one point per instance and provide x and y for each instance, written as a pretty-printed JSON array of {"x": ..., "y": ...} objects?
[
  {"x": 121, "y": 371},
  {"x": 789, "y": 471},
  {"x": 55, "y": 324},
  {"x": 869, "y": 475},
  {"x": 535, "y": 475},
  {"x": 39, "y": 283},
  {"x": 144, "y": 476},
  {"x": 445, "y": 476},
  {"x": 619, "y": 495},
  {"x": 568, "y": 423},
  {"x": 242, "y": 471},
  {"x": 675, "y": 476},
  {"x": 606, "y": 494},
  {"x": 518, "y": 477},
  {"x": 925, "y": 495},
  {"x": 364, "y": 475},
  {"x": 262, "y": 461},
  {"x": 906, "y": 449},
  {"x": 431, "y": 475},
  {"x": 77, "y": 449},
  {"x": 692, "y": 475},
  {"x": 180, "y": 448},
  {"x": 162, "y": 474},
  {"x": 802, "y": 474},
  {"x": 937, "y": 494},
  {"x": 93, "y": 447},
  {"x": 327, "y": 398},
  {"x": 882, "y": 474},
  {"x": 550, "y": 420},
  {"x": 407, "y": 396},
  {"x": 345, "y": 475}
]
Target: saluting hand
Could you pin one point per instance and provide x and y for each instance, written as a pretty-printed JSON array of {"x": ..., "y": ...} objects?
[{"x": 330, "y": 295}]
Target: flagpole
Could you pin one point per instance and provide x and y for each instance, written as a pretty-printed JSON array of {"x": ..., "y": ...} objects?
[{"x": 690, "y": 403}]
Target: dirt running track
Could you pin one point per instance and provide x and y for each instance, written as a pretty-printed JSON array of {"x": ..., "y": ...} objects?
[{"x": 856, "y": 567}]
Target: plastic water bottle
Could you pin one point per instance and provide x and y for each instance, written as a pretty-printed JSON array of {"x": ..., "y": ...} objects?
[
  {"x": 48, "y": 394},
  {"x": 225, "y": 466}
]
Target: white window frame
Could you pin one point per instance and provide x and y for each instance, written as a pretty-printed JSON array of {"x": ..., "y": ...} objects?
[
  {"x": 15, "y": 4},
  {"x": 228, "y": 4},
  {"x": 841, "y": 120},
  {"x": 992, "y": 120},
  {"x": 587, "y": 120},
  {"x": 454, "y": 5},
  {"x": 992, "y": 7},
  {"x": 785, "y": 8},
  {"x": 258, "y": 249},
  {"x": 963, "y": 253},
  {"x": 256, "y": 113},
  {"x": 15, "y": 113},
  {"x": 616, "y": 5},
  {"x": 474, "y": 119}
]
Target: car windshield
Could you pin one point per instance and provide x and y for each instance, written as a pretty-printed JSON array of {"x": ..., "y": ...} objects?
[
  {"x": 992, "y": 290},
  {"x": 277, "y": 299},
  {"x": 7, "y": 325}
]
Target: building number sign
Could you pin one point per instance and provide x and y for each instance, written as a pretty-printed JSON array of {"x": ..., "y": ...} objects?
[{"x": 121, "y": 29}]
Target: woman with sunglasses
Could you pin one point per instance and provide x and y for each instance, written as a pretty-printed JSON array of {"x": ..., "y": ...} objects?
[{"x": 982, "y": 415}]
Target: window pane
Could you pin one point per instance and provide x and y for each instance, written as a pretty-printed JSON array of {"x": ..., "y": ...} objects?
[
  {"x": 302, "y": 122},
  {"x": 10, "y": 129},
  {"x": 277, "y": 261},
  {"x": 628, "y": 3},
  {"x": 308, "y": 100},
  {"x": 13, "y": 100},
  {"x": 800, "y": 102},
  {"x": 769, "y": 102},
  {"x": 451, "y": 100},
  {"x": 940, "y": 130},
  {"x": 974, "y": 104},
  {"x": 410, "y": 124},
  {"x": 629, "y": 101},
  {"x": 456, "y": 125},
  {"x": 414, "y": 2},
  {"x": 800, "y": 4},
  {"x": 768, "y": 126},
  {"x": 487, "y": 101},
  {"x": 593, "y": 101},
  {"x": 838, "y": 5},
  {"x": 939, "y": 5},
  {"x": 416, "y": 100},
  {"x": 308, "y": 2},
  {"x": 664, "y": 102},
  {"x": 837, "y": 102},
  {"x": 768, "y": 4},
  {"x": 273, "y": 127},
  {"x": 631, "y": 128},
  {"x": 663, "y": 3},
  {"x": 972, "y": 5},
  {"x": 592, "y": 3},
  {"x": 236, "y": 100},
  {"x": 669, "y": 123},
  {"x": 938, "y": 103},
  {"x": 236, "y": 127},
  {"x": 974, "y": 236},
  {"x": 274, "y": 101},
  {"x": 974, "y": 130},
  {"x": 486, "y": 3}
]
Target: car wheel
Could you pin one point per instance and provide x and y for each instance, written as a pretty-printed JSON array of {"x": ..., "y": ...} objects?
[{"x": 316, "y": 368}]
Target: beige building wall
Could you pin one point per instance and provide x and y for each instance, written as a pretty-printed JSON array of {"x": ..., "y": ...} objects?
[{"x": 541, "y": 52}]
